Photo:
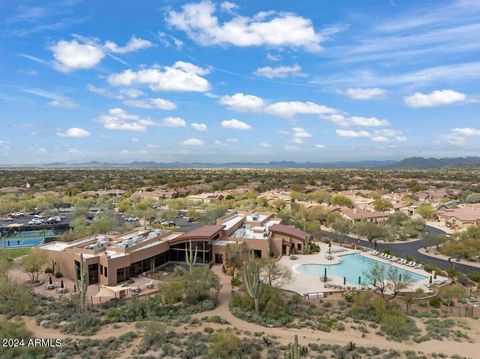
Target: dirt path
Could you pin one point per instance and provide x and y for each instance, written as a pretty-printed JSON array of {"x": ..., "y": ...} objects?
[
  {"x": 306, "y": 336},
  {"x": 284, "y": 336},
  {"x": 105, "y": 332}
]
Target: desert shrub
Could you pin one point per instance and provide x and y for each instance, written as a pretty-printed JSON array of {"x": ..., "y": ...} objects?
[
  {"x": 58, "y": 275},
  {"x": 475, "y": 276},
  {"x": 435, "y": 302},
  {"x": 83, "y": 324},
  {"x": 225, "y": 344}
]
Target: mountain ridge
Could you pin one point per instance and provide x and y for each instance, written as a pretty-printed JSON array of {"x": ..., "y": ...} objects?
[{"x": 406, "y": 163}]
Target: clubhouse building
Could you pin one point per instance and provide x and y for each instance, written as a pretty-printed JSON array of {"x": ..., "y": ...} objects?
[{"x": 113, "y": 259}]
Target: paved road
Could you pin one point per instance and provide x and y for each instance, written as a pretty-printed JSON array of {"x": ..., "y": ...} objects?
[{"x": 411, "y": 249}]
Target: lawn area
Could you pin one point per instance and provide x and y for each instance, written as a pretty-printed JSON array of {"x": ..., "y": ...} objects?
[{"x": 14, "y": 252}]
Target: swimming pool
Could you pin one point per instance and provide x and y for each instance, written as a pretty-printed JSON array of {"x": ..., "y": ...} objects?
[{"x": 352, "y": 266}]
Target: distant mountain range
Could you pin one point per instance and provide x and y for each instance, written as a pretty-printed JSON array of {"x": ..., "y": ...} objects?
[{"x": 407, "y": 163}]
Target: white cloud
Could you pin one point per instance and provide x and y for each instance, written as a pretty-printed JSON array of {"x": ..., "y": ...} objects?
[
  {"x": 280, "y": 72},
  {"x": 299, "y": 134},
  {"x": 102, "y": 92},
  {"x": 264, "y": 145},
  {"x": 118, "y": 119},
  {"x": 228, "y": 6},
  {"x": 151, "y": 103},
  {"x": 72, "y": 55},
  {"x": 134, "y": 44},
  {"x": 235, "y": 125},
  {"x": 319, "y": 146},
  {"x": 265, "y": 28},
  {"x": 368, "y": 121},
  {"x": 381, "y": 139},
  {"x": 352, "y": 134},
  {"x": 435, "y": 98},
  {"x": 182, "y": 76},
  {"x": 466, "y": 131},
  {"x": 63, "y": 103},
  {"x": 74, "y": 132},
  {"x": 291, "y": 108},
  {"x": 199, "y": 126},
  {"x": 174, "y": 122},
  {"x": 132, "y": 93},
  {"x": 193, "y": 142},
  {"x": 365, "y": 93},
  {"x": 242, "y": 102},
  {"x": 287, "y": 109},
  {"x": 58, "y": 100},
  {"x": 273, "y": 57},
  {"x": 135, "y": 139}
]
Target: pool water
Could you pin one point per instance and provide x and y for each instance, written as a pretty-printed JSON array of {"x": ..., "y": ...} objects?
[{"x": 352, "y": 266}]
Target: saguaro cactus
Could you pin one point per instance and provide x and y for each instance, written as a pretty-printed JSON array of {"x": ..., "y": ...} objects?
[
  {"x": 81, "y": 281},
  {"x": 251, "y": 274},
  {"x": 295, "y": 349},
  {"x": 191, "y": 256}
]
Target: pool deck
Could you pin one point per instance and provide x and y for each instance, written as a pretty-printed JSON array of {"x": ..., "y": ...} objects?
[{"x": 306, "y": 284}]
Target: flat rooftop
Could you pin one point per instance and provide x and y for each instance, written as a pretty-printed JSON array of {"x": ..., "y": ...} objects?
[{"x": 232, "y": 222}]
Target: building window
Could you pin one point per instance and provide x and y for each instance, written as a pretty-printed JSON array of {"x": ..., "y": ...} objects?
[
  {"x": 101, "y": 269},
  {"x": 105, "y": 272}
]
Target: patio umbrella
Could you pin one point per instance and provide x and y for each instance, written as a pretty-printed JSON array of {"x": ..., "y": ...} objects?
[
  {"x": 61, "y": 284},
  {"x": 50, "y": 280}
]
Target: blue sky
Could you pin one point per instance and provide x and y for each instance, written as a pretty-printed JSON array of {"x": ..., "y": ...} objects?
[{"x": 238, "y": 81}]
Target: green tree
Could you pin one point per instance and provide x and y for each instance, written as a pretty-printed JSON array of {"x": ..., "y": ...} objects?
[
  {"x": 341, "y": 200},
  {"x": 449, "y": 293},
  {"x": 426, "y": 211},
  {"x": 370, "y": 231},
  {"x": 34, "y": 263},
  {"x": 382, "y": 205}
]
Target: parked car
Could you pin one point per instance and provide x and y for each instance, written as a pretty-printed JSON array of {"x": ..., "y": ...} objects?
[{"x": 6, "y": 219}]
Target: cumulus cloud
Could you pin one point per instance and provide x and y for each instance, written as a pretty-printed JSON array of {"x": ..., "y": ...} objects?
[
  {"x": 242, "y": 102},
  {"x": 134, "y": 44},
  {"x": 291, "y": 108},
  {"x": 368, "y": 121},
  {"x": 352, "y": 134},
  {"x": 151, "y": 103},
  {"x": 118, "y": 119},
  {"x": 280, "y": 72},
  {"x": 319, "y": 146},
  {"x": 199, "y": 126},
  {"x": 74, "y": 132},
  {"x": 193, "y": 142},
  {"x": 365, "y": 93},
  {"x": 182, "y": 76},
  {"x": 466, "y": 131},
  {"x": 235, "y": 125},
  {"x": 461, "y": 136},
  {"x": 287, "y": 109},
  {"x": 72, "y": 55},
  {"x": 270, "y": 28},
  {"x": 435, "y": 98},
  {"x": 299, "y": 134},
  {"x": 132, "y": 93},
  {"x": 174, "y": 122}
]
